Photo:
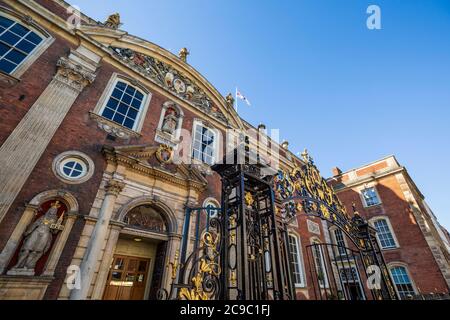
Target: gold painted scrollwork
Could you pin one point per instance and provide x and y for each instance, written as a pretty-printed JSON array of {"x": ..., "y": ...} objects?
[{"x": 209, "y": 244}]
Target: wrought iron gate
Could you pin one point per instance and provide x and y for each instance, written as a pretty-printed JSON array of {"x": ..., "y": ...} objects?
[
  {"x": 304, "y": 192},
  {"x": 242, "y": 251}
]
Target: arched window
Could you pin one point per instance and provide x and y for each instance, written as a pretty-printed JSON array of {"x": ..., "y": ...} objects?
[
  {"x": 17, "y": 42},
  {"x": 402, "y": 281},
  {"x": 296, "y": 261},
  {"x": 384, "y": 233}
]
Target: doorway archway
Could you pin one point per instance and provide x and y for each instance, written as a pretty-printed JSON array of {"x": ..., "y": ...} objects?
[{"x": 137, "y": 268}]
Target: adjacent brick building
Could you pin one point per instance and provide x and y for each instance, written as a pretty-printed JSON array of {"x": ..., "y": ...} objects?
[{"x": 415, "y": 245}]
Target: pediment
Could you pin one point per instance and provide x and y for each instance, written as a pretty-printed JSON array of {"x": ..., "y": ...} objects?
[
  {"x": 165, "y": 70},
  {"x": 143, "y": 159}
]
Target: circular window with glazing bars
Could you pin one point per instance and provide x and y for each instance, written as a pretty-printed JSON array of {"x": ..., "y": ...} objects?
[{"x": 73, "y": 167}]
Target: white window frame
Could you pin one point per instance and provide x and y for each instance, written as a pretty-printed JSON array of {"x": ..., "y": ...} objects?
[
  {"x": 363, "y": 199},
  {"x": 201, "y": 123},
  {"x": 299, "y": 254},
  {"x": 101, "y": 105},
  {"x": 84, "y": 159},
  {"x": 325, "y": 284},
  {"x": 214, "y": 203},
  {"x": 47, "y": 40},
  {"x": 333, "y": 236},
  {"x": 391, "y": 229},
  {"x": 393, "y": 265}
]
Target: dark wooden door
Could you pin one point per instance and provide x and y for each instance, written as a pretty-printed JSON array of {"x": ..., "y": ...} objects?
[{"x": 127, "y": 278}]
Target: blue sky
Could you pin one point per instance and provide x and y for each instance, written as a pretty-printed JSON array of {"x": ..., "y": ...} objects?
[{"x": 312, "y": 68}]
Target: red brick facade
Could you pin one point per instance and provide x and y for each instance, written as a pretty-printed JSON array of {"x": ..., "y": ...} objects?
[{"x": 79, "y": 131}]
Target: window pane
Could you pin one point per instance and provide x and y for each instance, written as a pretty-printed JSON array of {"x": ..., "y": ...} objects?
[
  {"x": 3, "y": 49},
  {"x": 112, "y": 103},
  {"x": 15, "y": 56},
  {"x": 136, "y": 103},
  {"x": 123, "y": 108},
  {"x": 129, "y": 123},
  {"x": 139, "y": 95},
  {"x": 7, "y": 66},
  {"x": 4, "y": 22},
  {"x": 127, "y": 98},
  {"x": 295, "y": 260},
  {"x": 108, "y": 113},
  {"x": 118, "y": 118},
  {"x": 384, "y": 234},
  {"x": 117, "y": 94},
  {"x": 402, "y": 282},
  {"x": 370, "y": 197},
  {"x": 130, "y": 90},
  {"x": 19, "y": 30},
  {"x": 10, "y": 38},
  {"x": 33, "y": 37},
  {"x": 26, "y": 46},
  {"x": 132, "y": 113}
]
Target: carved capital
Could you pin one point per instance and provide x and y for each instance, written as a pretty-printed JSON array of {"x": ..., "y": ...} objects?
[
  {"x": 73, "y": 74},
  {"x": 114, "y": 187}
]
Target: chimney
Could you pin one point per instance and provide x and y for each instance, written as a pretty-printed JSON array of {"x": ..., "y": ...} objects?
[{"x": 336, "y": 172}]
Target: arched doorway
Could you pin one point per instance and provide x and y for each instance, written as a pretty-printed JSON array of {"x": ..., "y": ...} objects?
[{"x": 137, "y": 267}]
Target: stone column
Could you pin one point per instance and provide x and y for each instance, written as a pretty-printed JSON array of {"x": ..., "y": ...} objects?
[
  {"x": 24, "y": 147},
  {"x": 93, "y": 250},
  {"x": 103, "y": 271},
  {"x": 16, "y": 236}
]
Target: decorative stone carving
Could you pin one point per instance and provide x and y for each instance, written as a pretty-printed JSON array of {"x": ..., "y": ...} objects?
[
  {"x": 113, "y": 21},
  {"x": 114, "y": 187},
  {"x": 184, "y": 52},
  {"x": 112, "y": 128},
  {"x": 73, "y": 75},
  {"x": 170, "y": 79},
  {"x": 164, "y": 154},
  {"x": 170, "y": 121},
  {"x": 230, "y": 100},
  {"x": 38, "y": 240}
]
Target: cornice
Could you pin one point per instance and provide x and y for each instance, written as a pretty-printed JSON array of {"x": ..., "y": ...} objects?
[{"x": 120, "y": 158}]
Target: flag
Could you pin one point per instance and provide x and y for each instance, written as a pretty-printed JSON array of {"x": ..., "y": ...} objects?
[{"x": 239, "y": 95}]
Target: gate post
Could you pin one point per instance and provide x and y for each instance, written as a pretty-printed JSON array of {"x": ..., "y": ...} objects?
[{"x": 252, "y": 263}]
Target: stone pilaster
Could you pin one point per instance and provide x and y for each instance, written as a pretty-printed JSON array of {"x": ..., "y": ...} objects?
[
  {"x": 98, "y": 237},
  {"x": 26, "y": 144}
]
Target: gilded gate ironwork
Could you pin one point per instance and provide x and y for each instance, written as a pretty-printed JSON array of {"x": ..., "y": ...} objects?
[
  {"x": 195, "y": 269},
  {"x": 304, "y": 191},
  {"x": 252, "y": 260},
  {"x": 242, "y": 251}
]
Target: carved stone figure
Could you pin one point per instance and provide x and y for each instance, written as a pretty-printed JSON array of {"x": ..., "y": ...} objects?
[
  {"x": 170, "y": 121},
  {"x": 113, "y": 21},
  {"x": 38, "y": 239},
  {"x": 183, "y": 54},
  {"x": 230, "y": 100}
]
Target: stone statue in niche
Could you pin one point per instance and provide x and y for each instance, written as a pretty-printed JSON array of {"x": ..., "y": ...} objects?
[
  {"x": 37, "y": 240},
  {"x": 170, "y": 121}
]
